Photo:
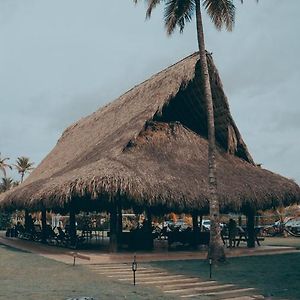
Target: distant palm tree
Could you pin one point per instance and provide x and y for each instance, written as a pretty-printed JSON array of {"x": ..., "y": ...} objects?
[
  {"x": 4, "y": 165},
  {"x": 23, "y": 166},
  {"x": 222, "y": 13},
  {"x": 15, "y": 183},
  {"x": 6, "y": 184}
]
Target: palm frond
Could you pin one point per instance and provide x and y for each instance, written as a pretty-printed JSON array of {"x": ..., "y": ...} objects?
[
  {"x": 151, "y": 5},
  {"x": 3, "y": 170},
  {"x": 177, "y": 13},
  {"x": 4, "y": 165},
  {"x": 221, "y": 12},
  {"x": 242, "y": 1},
  {"x": 6, "y": 184}
]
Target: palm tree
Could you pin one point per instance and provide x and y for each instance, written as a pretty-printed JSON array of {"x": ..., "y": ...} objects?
[
  {"x": 23, "y": 166},
  {"x": 4, "y": 165},
  {"x": 15, "y": 183},
  {"x": 222, "y": 13},
  {"x": 6, "y": 184}
]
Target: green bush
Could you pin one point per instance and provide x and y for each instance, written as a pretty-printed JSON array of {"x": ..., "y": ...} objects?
[{"x": 5, "y": 220}]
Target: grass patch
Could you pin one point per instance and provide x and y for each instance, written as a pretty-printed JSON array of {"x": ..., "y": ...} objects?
[
  {"x": 282, "y": 241},
  {"x": 29, "y": 276},
  {"x": 275, "y": 276},
  {"x": 13, "y": 249}
]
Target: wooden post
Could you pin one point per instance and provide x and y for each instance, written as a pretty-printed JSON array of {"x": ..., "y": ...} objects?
[
  {"x": 257, "y": 221},
  {"x": 120, "y": 224},
  {"x": 149, "y": 229},
  {"x": 250, "y": 228},
  {"x": 240, "y": 220},
  {"x": 26, "y": 225},
  {"x": 72, "y": 223},
  {"x": 201, "y": 219},
  {"x": 195, "y": 229},
  {"x": 113, "y": 242},
  {"x": 44, "y": 226}
]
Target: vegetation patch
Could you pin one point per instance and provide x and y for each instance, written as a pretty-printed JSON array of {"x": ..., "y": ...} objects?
[
  {"x": 29, "y": 276},
  {"x": 275, "y": 276}
]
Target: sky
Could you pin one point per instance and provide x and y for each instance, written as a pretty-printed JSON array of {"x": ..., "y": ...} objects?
[{"x": 60, "y": 60}]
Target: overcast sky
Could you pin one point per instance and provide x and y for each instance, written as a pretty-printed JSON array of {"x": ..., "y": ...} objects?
[{"x": 62, "y": 59}]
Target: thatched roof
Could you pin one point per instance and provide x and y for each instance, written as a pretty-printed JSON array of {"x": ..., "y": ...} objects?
[{"x": 149, "y": 148}]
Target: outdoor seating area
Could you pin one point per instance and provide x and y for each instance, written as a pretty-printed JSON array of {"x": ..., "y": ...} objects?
[
  {"x": 52, "y": 236},
  {"x": 165, "y": 234},
  {"x": 137, "y": 233},
  {"x": 241, "y": 235}
]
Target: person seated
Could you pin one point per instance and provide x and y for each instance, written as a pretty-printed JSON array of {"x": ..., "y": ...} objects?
[
  {"x": 224, "y": 234},
  {"x": 61, "y": 237},
  {"x": 19, "y": 228},
  {"x": 50, "y": 233},
  {"x": 232, "y": 232}
]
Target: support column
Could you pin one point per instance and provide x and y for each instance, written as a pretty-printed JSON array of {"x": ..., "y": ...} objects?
[
  {"x": 250, "y": 228},
  {"x": 149, "y": 230},
  {"x": 195, "y": 229},
  {"x": 26, "y": 225},
  {"x": 201, "y": 219},
  {"x": 72, "y": 223},
  {"x": 257, "y": 221},
  {"x": 113, "y": 242},
  {"x": 120, "y": 224},
  {"x": 44, "y": 226},
  {"x": 240, "y": 221}
]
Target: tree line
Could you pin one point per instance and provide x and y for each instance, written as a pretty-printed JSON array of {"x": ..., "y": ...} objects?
[{"x": 23, "y": 165}]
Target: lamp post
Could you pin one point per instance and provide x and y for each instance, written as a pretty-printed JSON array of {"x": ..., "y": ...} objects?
[
  {"x": 134, "y": 268},
  {"x": 210, "y": 268}
]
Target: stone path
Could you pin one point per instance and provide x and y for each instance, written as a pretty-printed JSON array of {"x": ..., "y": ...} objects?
[
  {"x": 102, "y": 257},
  {"x": 175, "y": 285}
]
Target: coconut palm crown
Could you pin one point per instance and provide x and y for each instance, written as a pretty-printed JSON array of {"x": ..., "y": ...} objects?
[
  {"x": 23, "y": 166},
  {"x": 6, "y": 184},
  {"x": 4, "y": 165},
  {"x": 179, "y": 12}
]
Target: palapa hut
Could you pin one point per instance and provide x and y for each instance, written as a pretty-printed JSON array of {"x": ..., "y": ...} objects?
[{"x": 148, "y": 150}]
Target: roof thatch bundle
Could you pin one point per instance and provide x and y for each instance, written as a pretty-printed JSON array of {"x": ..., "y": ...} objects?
[{"x": 148, "y": 148}]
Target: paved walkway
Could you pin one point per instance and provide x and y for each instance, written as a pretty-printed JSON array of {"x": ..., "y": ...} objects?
[
  {"x": 176, "y": 285},
  {"x": 101, "y": 257}
]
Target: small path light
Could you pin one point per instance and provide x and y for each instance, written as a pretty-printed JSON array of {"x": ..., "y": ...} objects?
[
  {"x": 134, "y": 268},
  {"x": 77, "y": 255},
  {"x": 74, "y": 259},
  {"x": 210, "y": 268}
]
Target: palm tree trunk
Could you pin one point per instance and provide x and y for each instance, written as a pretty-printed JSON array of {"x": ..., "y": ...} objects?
[
  {"x": 216, "y": 249},
  {"x": 22, "y": 177}
]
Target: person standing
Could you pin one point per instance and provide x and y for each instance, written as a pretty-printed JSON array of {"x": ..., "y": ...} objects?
[{"x": 232, "y": 231}]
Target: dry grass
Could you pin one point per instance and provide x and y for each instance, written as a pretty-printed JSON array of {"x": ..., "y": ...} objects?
[{"x": 32, "y": 277}]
